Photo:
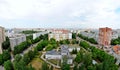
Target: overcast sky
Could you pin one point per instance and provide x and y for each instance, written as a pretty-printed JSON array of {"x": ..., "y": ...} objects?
[{"x": 60, "y": 13}]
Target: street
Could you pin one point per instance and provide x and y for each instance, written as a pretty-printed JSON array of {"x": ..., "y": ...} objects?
[{"x": 1, "y": 68}]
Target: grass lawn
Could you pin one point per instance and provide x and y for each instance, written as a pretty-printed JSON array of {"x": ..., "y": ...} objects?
[
  {"x": 37, "y": 62},
  {"x": 55, "y": 61}
]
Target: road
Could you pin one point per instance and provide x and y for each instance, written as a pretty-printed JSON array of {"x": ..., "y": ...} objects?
[
  {"x": 30, "y": 48},
  {"x": 25, "y": 51},
  {"x": 1, "y": 68}
]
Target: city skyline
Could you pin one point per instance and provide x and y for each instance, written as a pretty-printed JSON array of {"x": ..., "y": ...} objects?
[{"x": 60, "y": 13}]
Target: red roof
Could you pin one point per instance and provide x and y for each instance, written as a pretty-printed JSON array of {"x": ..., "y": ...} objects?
[{"x": 116, "y": 49}]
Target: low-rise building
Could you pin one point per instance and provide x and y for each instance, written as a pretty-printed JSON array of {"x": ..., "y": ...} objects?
[
  {"x": 73, "y": 47},
  {"x": 16, "y": 40},
  {"x": 64, "y": 52},
  {"x": 60, "y": 35},
  {"x": 116, "y": 49},
  {"x": 53, "y": 54}
]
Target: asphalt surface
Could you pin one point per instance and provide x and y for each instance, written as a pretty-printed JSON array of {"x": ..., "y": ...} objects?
[{"x": 1, "y": 68}]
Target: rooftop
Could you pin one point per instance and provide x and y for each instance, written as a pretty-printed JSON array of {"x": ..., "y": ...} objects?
[
  {"x": 53, "y": 52},
  {"x": 116, "y": 49}
]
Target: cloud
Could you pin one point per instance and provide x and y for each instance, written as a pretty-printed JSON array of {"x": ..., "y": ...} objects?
[{"x": 62, "y": 13}]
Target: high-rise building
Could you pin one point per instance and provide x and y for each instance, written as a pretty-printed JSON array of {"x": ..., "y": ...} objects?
[
  {"x": 2, "y": 37},
  {"x": 105, "y": 36}
]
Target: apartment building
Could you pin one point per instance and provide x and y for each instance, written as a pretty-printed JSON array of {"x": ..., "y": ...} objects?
[
  {"x": 2, "y": 37},
  {"x": 16, "y": 40},
  {"x": 105, "y": 36},
  {"x": 35, "y": 35},
  {"x": 60, "y": 34}
]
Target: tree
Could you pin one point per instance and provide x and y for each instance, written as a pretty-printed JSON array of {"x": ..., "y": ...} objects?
[
  {"x": 51, "y": 68},
  {"x": 18, "y": 57},
  {"x": 78, "y": 58},
  {"x": 21, "y": 65},
  {"x": 73, "y": 35},
  {"x": 29, "y": 37},
  {"x": 39, "y": 47},
  {"x": 29, "y": 32},
  {"x": 84, "y": 44},
  {"x": 6, "y": 44},
  {"x": 92, "y": 40},
  {"x": 26, "y": 59},
  {"x": 65, "y": 66},
  {"x": 31, "y": 54},
  {"x": 22, "y": 46},
  {"x": 42, "y": 45},
  {"x": 74, "y": 51},
  {"x": 8, "y": 65},
  {"x": 87, "y": 59},
  {"x": 75, "y": 67},
  {"x": 82, "y": 67},
  {"x": 45, "y": 66},
  {"x": 30, "y": 67},
  {"x": 36, "y": 40},
  {"x": 67, "y": 41},
  {"x": 6, "y": 55},
  {"x": 115, "y": 41},
  {"x": 91, "y": 67},
  {"x": 1, "y": 59},
  {"x": 99, "y": 66},
  {"x": 35, "y": 51},
  {"x": 49, "y": 47}
]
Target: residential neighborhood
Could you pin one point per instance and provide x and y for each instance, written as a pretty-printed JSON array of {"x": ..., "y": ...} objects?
[{"x": 59, "y": 34}]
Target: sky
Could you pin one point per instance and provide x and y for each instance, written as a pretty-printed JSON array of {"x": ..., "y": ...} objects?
[{"x": 59, "y": 13}]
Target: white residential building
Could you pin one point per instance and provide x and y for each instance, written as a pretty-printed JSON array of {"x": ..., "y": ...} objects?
[
  {"x": 35, "y": 35},
  {"x": 16, "y": 40}
]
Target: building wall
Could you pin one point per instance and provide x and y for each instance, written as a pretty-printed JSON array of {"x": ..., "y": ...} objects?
[
  {"x": 70, "y": 61},
  {"x": 2, "y": 37},
  {"x": 35, "y": 35},
  {"x": 105, "y": 36},
  {"x": 48, "y": 56},
  {"x": 16, "y": 41},
  {"x": 71, "y": 49},
  {"x": 60, "y": 36}
]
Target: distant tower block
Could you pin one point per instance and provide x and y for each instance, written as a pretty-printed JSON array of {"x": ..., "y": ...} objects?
[{"x": 105, "y": 36}]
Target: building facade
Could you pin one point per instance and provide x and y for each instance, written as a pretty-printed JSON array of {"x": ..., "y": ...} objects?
[
  {"x": 105, "y": 36},
  {"x": 60, "y": 35},
  {"x": 2, "y": 37},
  {"x": 16, "y": 40},
  {"x": 35, "y": 35},
  {"x": 64, "y": 52}
]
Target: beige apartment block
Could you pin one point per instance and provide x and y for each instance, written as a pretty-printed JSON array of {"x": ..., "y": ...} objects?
[
  {"x": 60, "y": 35},
  {"x": 2, "y": 37}
]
